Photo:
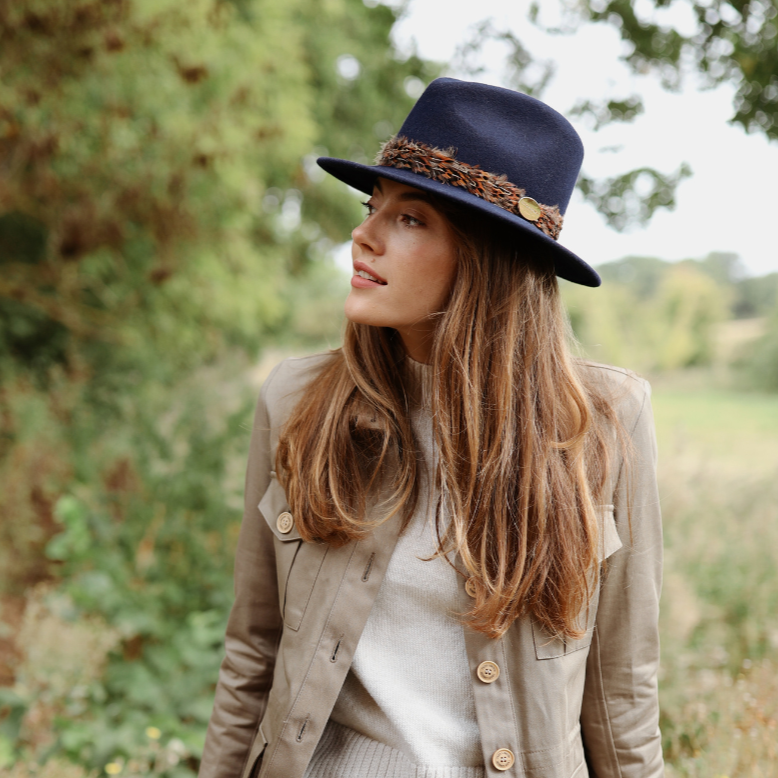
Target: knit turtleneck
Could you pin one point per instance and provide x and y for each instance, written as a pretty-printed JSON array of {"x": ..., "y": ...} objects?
[
  {"x": 418, "y": 378},
  {"x": 406, "y": 709}
]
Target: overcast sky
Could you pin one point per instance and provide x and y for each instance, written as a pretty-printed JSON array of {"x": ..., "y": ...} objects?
[{"x": 731, "y": 201}]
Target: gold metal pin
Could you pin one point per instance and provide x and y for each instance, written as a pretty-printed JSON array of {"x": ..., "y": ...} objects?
[{"x": 529, "y": 209}]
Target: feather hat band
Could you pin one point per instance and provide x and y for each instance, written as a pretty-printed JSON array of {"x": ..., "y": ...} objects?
[{"x": 505, "y": 154}]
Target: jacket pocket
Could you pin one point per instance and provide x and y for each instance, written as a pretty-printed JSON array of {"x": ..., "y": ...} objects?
[
  {"x": 297, "y": 563},
  {"x": 548, "y": 646}
]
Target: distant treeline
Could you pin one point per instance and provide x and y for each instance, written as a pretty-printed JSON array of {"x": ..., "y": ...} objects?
[
  {"x": 751, "y": 296},
  {"x": 652, "y": 315}
]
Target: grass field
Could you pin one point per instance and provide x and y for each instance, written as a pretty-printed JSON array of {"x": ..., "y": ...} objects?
[
  {"x": 719, "y": 683},
  {"x": 736, "y": 431}
]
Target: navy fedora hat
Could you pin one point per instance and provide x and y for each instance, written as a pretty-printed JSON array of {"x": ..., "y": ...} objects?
[{"x": 507, "y": 155}]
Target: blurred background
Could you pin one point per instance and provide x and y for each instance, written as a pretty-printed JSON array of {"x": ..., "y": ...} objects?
[{"x": 166, "y": 238}]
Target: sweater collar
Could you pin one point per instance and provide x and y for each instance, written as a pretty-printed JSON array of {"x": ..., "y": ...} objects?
[{"x": 418, "y": 378}]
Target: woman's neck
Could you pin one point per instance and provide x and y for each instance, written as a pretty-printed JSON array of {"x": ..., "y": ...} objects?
[{"x": 418, "y": 342}]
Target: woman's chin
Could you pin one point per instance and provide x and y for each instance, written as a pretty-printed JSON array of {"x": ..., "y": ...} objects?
[{"x": 363, "y": 314}]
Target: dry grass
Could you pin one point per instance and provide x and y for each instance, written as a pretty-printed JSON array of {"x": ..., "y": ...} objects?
[
  {"x": 719, "y": 622},
  {"x": 54, "y": 768},
  {"x": 728, "y": 727},
  {"x": 60, "y": 657},
  {"x": 734, "y": 335}
]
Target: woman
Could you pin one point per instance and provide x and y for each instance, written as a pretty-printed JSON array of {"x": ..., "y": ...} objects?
[{"x": 449, "y": 563}]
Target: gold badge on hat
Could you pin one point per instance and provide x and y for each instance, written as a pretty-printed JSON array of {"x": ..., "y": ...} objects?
[{"x": 529, "y": 209}]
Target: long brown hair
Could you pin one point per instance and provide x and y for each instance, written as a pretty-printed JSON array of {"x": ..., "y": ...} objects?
[{"x": 523, "y": 441}]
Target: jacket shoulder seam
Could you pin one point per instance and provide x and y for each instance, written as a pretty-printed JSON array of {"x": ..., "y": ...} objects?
[{"x": 622, "y": 371}]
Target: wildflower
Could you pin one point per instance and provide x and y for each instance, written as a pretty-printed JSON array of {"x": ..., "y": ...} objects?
[
  {"x": 175, "y": 751},
  {"x": 177, "y": 747},
  {"x": 113, "y": 768},
  {"x": 154, "y": 733}
]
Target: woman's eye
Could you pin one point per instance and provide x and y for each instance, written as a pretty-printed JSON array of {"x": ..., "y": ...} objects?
[
  {"x": 370, "y": 208},
  {"x": 411, "y": 221}
]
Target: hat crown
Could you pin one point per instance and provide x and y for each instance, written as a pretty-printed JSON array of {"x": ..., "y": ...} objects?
[{"x": 502, "y": 132}]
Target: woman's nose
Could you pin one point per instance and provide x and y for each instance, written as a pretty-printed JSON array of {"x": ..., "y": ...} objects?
[{"x": 367, "y": 237}]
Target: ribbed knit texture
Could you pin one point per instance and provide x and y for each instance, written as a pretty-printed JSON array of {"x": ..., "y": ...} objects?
[
  {"x": 343, "y": 753},
  {"x": 406, "y": 709}
]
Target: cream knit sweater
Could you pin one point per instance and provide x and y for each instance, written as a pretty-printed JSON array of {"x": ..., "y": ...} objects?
[{"x": 406, "y": 709}]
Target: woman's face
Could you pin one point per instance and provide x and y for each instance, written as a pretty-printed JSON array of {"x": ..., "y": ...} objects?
[{"x": 406, "y": 248}]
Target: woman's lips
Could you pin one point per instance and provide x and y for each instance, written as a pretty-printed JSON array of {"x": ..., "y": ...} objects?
[
  {"x": 363, "y": 283},
  {"x": 365, "y": 277}
]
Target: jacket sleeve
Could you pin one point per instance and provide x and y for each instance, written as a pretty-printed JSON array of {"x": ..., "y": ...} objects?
[
  {"x": 254, "y": 625},
  {"x": 620, "y": 712}
]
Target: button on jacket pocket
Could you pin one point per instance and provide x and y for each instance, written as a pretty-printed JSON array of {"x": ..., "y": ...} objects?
[
  {"x": 297, "y": 563},
  {"x": 285, "y": 523},
  {"x": 547, "y": 646}
]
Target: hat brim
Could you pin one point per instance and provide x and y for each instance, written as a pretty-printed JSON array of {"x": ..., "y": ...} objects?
[{"x": 363, "y": 177}]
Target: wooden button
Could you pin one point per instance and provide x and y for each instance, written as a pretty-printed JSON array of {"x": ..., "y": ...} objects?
[
  {"x": 488, "y": 672},
  {"x": 285, "y": 522},
  {"x": 503, "y": 759},
  {"x": 470, "y": 586},
  {"x": 529, "y": 209}
]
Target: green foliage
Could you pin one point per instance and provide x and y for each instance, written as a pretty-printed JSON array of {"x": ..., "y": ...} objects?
[
  {"x": 642, "y": 274},
  {"x": 132, "y": 187},
  {"x": 141, "y": 139},
  {"x": 522, "y": 71},
  {"x": 649, "y": 315},
  {"x": 756, "y": 296},
  {"x": 654, "y": 315},
  {"x": 760, "y": 361},
  {"x": 150, "y": 554},
  {"x": 633, "y": 197},
  {"x": 750, "y": 296},
  {"x": 75, "y": 541},
  {"x": 689, "y": 305},
  {"x": 723, "y": 267},
  {"x": 734, "y": 41},
  {"x": 12, "y": 710},
  {"x": 610, "y": 111}
]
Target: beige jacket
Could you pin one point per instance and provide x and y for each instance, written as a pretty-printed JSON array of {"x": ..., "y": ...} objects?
[{"x": 562, "y": 709}]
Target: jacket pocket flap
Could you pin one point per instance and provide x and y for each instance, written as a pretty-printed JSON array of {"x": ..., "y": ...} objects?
[
  {"x": 272, "y": 506},
  {"x": 610, "y": 542}
]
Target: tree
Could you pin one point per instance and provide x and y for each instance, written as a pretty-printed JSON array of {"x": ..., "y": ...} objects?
[
  {"x": 155, "y": 163},
  {"x": 735, "y": 41},
  {"x": 655, "y": 315}
]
